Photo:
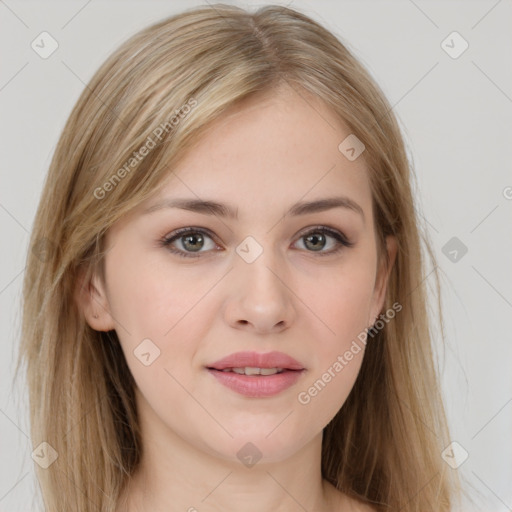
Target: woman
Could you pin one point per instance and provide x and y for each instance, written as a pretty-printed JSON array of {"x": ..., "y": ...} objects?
[{"x": 230, "y": 313}]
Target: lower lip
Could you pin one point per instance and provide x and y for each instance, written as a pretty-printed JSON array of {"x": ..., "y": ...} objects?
[{"x": 258, "y": 386}]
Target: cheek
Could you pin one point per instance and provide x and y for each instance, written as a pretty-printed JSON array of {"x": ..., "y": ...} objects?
[
  {"x": 340, "y": 304},
  {"x": 147, "y": 300},
  {"x": 160, "y": 317},
  {"x": 341, "y": 308},
  {"x": 338, "y": 360}
]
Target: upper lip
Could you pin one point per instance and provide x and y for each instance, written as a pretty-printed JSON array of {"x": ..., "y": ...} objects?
[{"x": 257, "y": 360}]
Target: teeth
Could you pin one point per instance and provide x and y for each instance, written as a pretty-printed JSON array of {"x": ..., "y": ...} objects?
[
  {"x": 250, "y": 370},
  {"x": 270, "y": 371}
]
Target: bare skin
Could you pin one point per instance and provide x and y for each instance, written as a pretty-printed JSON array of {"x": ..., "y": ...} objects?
[{"x": 260, "y": 159}]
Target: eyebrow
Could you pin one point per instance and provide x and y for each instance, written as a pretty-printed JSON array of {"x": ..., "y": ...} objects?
[{"x": 209, "y": 207}]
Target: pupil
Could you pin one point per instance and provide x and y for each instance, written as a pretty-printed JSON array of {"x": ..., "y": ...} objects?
[
  {"x": 315, "y": 239},
  {"x": 187, "y": 239}
]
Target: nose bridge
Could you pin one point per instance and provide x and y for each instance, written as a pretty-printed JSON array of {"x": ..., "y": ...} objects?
[
  {"x": 260, "y": 296},
  {"x": 258, "y": 263}
]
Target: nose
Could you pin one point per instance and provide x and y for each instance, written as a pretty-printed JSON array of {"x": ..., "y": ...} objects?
[{"x": 260, "y": 297}]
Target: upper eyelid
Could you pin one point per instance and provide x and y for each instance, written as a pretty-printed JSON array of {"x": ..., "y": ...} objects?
[{"x": 208, "y": 231}]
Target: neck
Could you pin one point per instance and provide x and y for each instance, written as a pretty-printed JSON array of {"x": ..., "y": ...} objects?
[{"x": 176, "y": 476}]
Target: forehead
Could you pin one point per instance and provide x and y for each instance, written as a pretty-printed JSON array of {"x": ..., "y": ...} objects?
[{"x": 268, "y": 153}]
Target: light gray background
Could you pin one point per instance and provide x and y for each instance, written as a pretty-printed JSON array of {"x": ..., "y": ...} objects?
[{"x": 456, "y": 117}]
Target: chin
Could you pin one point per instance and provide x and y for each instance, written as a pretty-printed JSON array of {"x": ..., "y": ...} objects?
[{"x": 260, "y": 444}]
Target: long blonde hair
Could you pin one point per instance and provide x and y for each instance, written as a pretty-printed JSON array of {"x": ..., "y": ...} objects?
[{"x": 384, "y": 445}]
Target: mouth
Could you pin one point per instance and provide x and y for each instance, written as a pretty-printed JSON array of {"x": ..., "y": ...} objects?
[
  {"x": 249, "y": 370},
  {"x": 257, "y": 375}
]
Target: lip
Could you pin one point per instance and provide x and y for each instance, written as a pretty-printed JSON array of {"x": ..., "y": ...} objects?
[
  {"x": 257, "y": 386},
  {"x": 257, "y": 360}
]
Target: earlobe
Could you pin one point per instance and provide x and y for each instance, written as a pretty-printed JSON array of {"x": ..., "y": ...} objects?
[{"x": 92, "y": 300}]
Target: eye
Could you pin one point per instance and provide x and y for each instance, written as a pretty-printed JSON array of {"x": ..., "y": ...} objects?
[
  {"x": 192, "y": 240},
  {"x": 317, "y": 238}
]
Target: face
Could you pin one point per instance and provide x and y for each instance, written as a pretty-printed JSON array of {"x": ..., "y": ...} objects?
[{"x": 186, "y": 288}]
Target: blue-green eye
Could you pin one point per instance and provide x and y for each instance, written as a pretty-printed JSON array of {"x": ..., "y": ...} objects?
[{"x": 193, "y": 240}]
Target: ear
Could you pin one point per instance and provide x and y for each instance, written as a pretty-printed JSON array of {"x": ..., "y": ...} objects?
[
  {"x": 92, "y": 300},
  {"x": 381, "y": 281}
]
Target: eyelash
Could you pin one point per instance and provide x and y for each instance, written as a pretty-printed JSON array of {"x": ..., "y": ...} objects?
[{"x": 166, "y": 241}]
